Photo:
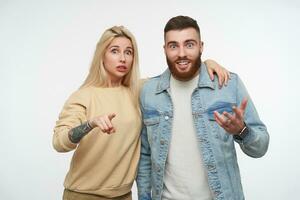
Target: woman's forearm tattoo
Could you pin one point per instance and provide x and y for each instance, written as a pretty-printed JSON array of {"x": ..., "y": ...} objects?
[{"x": 77, "y": 133}]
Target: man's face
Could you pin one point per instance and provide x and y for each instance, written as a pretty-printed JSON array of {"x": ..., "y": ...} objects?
[{"x": 183, "y": 50}]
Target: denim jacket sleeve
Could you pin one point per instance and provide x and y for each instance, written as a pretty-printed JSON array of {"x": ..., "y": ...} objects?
[
  {"x": 144, "y": 169},
  {"x": 256, "y": 142}
]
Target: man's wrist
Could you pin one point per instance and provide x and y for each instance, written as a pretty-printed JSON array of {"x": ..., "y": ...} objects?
[{"x": 242, "y": 134}]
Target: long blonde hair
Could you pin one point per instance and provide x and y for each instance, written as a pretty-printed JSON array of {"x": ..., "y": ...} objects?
[{"x": 98, "y": 76}]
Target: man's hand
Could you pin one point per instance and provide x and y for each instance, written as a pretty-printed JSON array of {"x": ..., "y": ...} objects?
[
  {"x": 222, "y": 73},
  {"x": 104, "y": 123},
  {"x": 233, "y": 124}
]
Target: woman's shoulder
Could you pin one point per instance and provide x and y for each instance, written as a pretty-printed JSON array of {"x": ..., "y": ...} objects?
[{"x": 82, "y": 94}]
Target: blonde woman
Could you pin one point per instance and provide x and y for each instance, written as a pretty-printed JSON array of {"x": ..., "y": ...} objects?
[{"x": 101, "y": 121}]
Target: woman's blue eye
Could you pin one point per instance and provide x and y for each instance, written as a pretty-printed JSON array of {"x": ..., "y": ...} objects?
[
  {"x": 114, "y": 51},
  {"x": 128, "y": 52}
]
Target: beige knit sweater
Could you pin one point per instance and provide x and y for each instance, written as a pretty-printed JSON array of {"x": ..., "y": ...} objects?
[{"x": 102, "y": 164}]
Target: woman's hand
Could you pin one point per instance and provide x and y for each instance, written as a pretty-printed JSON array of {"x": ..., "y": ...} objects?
[
  {"x": 104, "y": 122},
  {"x": 222, "y": 73}
]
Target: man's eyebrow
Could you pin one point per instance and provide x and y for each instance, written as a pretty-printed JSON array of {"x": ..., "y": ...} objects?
[
  {"x": 171, "y": 42},
  {"x": 186, "y": 41},
  {"x": 190, "y": 40}
]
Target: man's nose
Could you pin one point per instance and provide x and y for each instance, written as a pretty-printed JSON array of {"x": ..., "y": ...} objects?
[{"x": 181, "y": 52}]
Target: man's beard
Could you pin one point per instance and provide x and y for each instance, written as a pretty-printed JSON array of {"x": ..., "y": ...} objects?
[{"x": 185, "y": 76}]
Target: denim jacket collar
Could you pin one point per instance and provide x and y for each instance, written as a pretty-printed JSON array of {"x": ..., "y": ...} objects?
[{"x": 204, "y": 80}]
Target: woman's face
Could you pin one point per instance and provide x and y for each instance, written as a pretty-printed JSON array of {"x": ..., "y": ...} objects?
[{"x": 118, "y": 59}]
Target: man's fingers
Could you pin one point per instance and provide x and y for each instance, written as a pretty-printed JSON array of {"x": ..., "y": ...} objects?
[
  {"x": 220, "y": 118},
  {"x": 229, "y": 117},
  {"x": 231, "y": 120},
  {"x": 222, "y": 122},
  {"x": 219, "y": 122},
  {"x": 244, "y": 104},
  {"x": 241, "y": 110},
  {"x": 238, "y": 113},
  {"x": 217, "y": 118}
]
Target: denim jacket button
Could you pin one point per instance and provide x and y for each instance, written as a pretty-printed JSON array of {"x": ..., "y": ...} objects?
[
  {"x": 166, "y": 117},
  {"x": 158, "y": 169},
  {"x": 162, "y": 142}
]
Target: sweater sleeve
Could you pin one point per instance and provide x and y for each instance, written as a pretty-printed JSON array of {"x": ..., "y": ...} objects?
[{"x": 72, "y": 115}]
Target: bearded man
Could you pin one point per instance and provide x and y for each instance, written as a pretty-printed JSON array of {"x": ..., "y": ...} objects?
[{"x": 190, "y": 125}]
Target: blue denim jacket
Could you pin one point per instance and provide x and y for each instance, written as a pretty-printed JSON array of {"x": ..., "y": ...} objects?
[{"x": 217, "y": 146}]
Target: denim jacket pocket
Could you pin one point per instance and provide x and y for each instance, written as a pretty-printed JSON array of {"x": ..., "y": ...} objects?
[
  {"x": 151, "y": 121},
  {"x": 220, "y": 107}
]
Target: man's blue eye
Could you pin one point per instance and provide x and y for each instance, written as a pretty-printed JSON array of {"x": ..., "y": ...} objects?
[{"x": 190, "y": 45}]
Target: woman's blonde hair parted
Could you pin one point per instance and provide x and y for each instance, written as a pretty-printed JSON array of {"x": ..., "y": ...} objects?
[{"x": 98, "y": 76}]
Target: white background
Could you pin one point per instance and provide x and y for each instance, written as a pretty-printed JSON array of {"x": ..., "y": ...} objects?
[{"x": 46, "y": 48}]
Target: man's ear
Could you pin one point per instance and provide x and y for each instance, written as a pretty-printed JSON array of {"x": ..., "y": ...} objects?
[{"x": 201, "y": 46}]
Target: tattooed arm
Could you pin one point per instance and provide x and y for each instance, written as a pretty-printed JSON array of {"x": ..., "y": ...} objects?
[{"x": 77, "y": 133}]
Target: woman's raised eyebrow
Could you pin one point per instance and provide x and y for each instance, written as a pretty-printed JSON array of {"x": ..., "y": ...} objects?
[{"x": 114, "y": 46}]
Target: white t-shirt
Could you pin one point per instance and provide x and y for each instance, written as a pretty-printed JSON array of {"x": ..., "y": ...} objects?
[{"x": 185, "y": 176}]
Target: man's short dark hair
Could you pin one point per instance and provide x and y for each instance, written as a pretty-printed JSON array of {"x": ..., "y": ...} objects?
[{"x": 181, "y": 22}]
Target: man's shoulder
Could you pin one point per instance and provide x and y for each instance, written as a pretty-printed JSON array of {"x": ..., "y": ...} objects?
[
  {"x": 155, "y": 78},
  {"x": 232, "y": 80},
  {"x": 233, "y": 75}
]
